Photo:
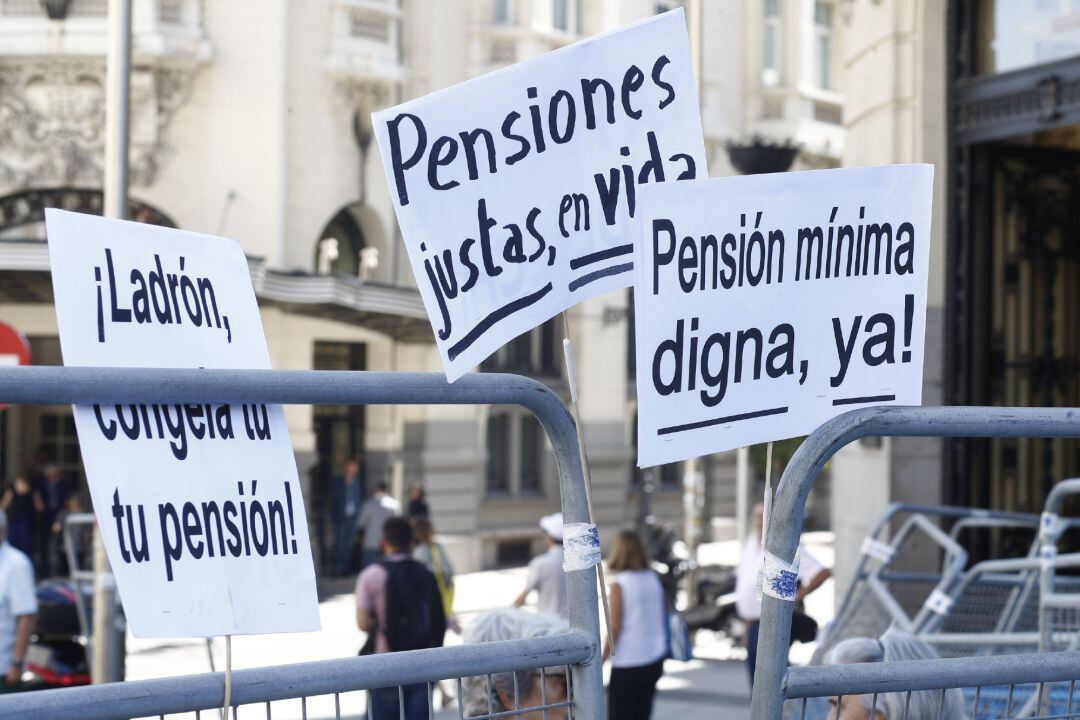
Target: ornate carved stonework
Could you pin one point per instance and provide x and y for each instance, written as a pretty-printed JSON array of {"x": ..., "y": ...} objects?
[
  {"x": 363, "y": 94},
  {"x": 52, "y": 121}
]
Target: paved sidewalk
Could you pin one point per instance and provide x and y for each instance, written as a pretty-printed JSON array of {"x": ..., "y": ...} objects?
[{"x": 714, "y": 684}]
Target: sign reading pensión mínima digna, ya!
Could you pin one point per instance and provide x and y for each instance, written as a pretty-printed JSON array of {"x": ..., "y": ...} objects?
[
  {"x": 766, "y": 305},
  {"x": 199, "y": 505},
  {"x": 514, "y": 191}
]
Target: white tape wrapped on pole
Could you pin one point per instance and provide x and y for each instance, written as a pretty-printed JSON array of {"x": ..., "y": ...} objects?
[
  {"x": 878, "y": 550},
  {"x": 568, "y": 356},
  {"x": 581, "y": 546},
  {"x": 779, "y": 579},
  {"x": 939, "y": 602}
]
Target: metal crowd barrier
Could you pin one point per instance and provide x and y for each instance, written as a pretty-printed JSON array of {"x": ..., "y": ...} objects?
[
  {"x": 774, "y": 682},
  {"x": 947, "y": 598},
  {"x": 1037, "y": 685},
  {"x": 575, "y": 653}
]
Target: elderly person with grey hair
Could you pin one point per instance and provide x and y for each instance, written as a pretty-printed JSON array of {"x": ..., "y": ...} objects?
[
  {"x": 893, "y": 646},
  {"x": 18, "y": 609},
  {"x": 513, "y": 624}
]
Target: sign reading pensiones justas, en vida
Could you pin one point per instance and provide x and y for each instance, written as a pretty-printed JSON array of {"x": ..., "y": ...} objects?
[
  {"x": 199, "y": 504},
  {"x": 515, "y": 191},
  {"x": 766, "y": 305}
]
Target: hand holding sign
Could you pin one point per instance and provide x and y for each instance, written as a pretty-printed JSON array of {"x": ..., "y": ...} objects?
[{"x": 766, "y": 305}]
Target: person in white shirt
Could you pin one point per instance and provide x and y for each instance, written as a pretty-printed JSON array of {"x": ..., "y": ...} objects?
[
  {"x": 18, "y": 609},
  {"x": 638, "y": 628},
  {"x": 747, "y": 601},
  {"x": 378, "y": 508},
  {"x": 546, "y": 574}
]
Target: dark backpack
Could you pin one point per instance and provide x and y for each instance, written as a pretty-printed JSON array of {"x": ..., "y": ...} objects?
[{"x": 414, "y": 611}]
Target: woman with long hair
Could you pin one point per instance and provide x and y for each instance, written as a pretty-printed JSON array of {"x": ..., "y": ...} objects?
[{"x": 638, "y": 627}]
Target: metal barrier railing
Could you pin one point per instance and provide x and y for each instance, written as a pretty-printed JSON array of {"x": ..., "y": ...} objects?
[
  {"x": 881, "y": 596},
  {"x": 305, "y": 682},
  {"x": 577, "y": 650},
  {"x": 782, "y": 536},
  {"x": 1041, "y": 685}
]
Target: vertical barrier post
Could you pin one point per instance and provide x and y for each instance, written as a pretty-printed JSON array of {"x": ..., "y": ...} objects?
[
  {"x": 782, "y": 540},
  {"x": 588, "y": 680},
  {"x": 104, "y": 662}
]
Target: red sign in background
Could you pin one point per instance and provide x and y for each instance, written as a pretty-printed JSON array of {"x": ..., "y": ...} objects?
[{"x": 14, "y": 348}]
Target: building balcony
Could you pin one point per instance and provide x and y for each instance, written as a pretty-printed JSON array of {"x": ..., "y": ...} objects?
[
  {"x": 162, "y": 30},
  {"x": 395, "y": 310},
  {"x": 809, "y": 116},
  {"x": 496, "y": 45},
  {"x": 365, "y": 44}
]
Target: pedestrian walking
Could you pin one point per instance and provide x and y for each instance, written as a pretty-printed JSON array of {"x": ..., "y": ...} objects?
[
  {"x": 18, "y": 609},
  {"x": 399, "y": 607},
  {"x": 82, "y": 537},
  {"x": 638, "y": 627},
  {"x": 54, "y": 491},
  {"x": 747, "y": 599},
  {"x": 546, "y": 575},
  {"x": 432, "y": 555},
  {"x": 893, "y": 646},
  {"x": 520, "y": 694},
  {"x": 418, "y": 506},
  {"x": 347, "y": 492},
  {"x": 24, "y": 507},
  {"x": 376, "y": 511}
]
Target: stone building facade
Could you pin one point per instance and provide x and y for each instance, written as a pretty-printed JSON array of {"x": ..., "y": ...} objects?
[
  {"x": 250, "y": 119},
  {"x": 989, "y": 92}
]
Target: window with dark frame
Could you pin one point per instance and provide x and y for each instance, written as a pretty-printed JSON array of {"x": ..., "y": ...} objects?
[
  {"x": 823, "y": 44},
  {"x": 536, "y": 353},
  {"x": 770, "y": 62},
  {"x": 667, "y": 476},
  {"x": 559, "y": 14},
  {"x": 529, "y": 458},
  {"x": 498, "y": 454},
  {"x": 515, "y": 454}
]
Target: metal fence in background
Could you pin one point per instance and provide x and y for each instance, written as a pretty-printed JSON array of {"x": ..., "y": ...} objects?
[
  {"x": 988, "y": 608},
  {"x": 328, "y": 688},
  {"x": 774, "y": 682},
  {"x": 1040, "y": 686}
]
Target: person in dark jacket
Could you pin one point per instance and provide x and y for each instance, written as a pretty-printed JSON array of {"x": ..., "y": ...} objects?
[
  {"x": 24, "y": 507},
  {"x": 348, "y": 496},
  {"x": 418, "y": 506}
]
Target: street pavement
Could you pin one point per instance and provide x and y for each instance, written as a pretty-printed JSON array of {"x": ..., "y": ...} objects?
[{"x": 713, "y": 684}]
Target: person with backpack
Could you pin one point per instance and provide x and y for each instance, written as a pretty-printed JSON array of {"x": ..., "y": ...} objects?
[{"x": 399, "y": 606}]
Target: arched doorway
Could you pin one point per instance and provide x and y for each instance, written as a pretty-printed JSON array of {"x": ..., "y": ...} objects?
[
  {"x": 22, "y": 214},
  {"x": 340, "y": 244}
]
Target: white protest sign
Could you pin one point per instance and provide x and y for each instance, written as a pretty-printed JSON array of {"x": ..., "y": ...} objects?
[
  {"x": 199, "y": 505},
  {"x": 514, "y": 191},
  {"x": 766, "y": 305}
]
